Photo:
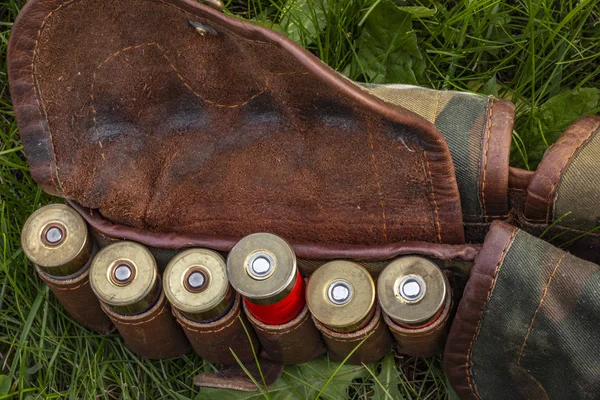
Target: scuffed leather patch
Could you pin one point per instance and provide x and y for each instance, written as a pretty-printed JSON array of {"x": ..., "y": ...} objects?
[{"x": 126, "y": 108}]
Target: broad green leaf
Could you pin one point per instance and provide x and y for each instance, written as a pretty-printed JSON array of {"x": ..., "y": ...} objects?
[
  {"x": 4, "y": 385},
  {"x": 555, "y": 115},
  {"x": 490, "y": 87},
  {"x": 387, "y": 47},
  {"x": 386, "y": 385},
  {"x": 303, "y": 381},
  {"x": 303, "y": 19},
  {"x": 418, "y": 11},
  {"x": 563, "y": 109}
]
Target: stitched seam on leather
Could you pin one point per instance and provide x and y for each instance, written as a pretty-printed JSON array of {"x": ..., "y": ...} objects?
[
  {"x": 485, "y": 156},
  {"x": 553, "y": 192},
  {"x": 189, "y": 328},
  {"x": 438, "y": 228},
  {"x": 38, "y": 96},
  {"x": 37, "y": 91},
  {"x": 179, "y": 76},
  {"x": 468, "y": 363},
  {"x": 118, "y": 321},
  {"x": 378, "y": 182},
  {"x": 544, "y": 293}
]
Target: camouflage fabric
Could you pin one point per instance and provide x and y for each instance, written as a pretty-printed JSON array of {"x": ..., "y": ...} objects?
[
  {"x": 577, "y": 193},
  {"x": 538, "y": 336},
  {"x": 461, "y": 117}
]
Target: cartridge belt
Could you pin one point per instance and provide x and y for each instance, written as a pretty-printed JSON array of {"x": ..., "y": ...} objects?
[{"x": 247, "y": 132}]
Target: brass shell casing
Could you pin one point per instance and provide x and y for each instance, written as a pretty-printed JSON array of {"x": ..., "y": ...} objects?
[
  {"x": 262, "y": 268},
  {"x": 341, "y": 295},
  {"x": 57, "y": 240},
  {"x": 207, "y": 297},
  {"x": 133, "y": 295},
  {"x": 418, "y": 303}
]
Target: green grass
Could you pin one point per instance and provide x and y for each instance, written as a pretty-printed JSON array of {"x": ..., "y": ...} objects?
[{"x": 543, "y": 55}]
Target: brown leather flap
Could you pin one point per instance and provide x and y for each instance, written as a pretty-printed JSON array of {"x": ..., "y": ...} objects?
[{"x": 168, "y": 116}]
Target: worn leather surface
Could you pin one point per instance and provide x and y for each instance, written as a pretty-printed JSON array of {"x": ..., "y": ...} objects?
[
  {"x": 217, "y": 341},
  {"x": 152, "y": 334},
  {"x": 77, "y": 297},
  {"x": 340, "y": 344},
  {"x": 145, "y": 117},
  {"x": 463, "y": 332},
  {"x": 296, "y": 342},
  {"x": 427, "y": 341},
  {"x": 234, "y": 377}
]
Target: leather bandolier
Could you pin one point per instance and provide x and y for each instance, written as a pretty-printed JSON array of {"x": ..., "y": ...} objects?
[{"x": 170, "y": 124}]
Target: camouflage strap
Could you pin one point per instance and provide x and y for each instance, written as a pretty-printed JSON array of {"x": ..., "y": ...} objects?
[
  {"x": 478, "y": 131},
  {"x": 527, "y": 326}
]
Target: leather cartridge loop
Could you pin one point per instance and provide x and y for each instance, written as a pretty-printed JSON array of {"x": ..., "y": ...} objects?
[
  {"x": 151, "y": 334},
  {"x": 132, "y": 125},
  {"x": 426, "y": 341},
  {"x": 77, "y": 297},
  {"x": 217, "y": 341},
  {"x": 375, "y": 347},
  {"x": 295, "y": 342}
]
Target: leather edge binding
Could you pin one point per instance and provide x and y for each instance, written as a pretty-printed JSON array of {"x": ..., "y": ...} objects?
[
  {"x": 495, "y": 159},
  {"x": 27, "y": 100},
  {"x": 465, "y": 327},
  {"x": 310, "y": 251}
]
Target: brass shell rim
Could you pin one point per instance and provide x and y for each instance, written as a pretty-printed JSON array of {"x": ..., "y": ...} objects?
[
  {"x": 284, "y": 271},
  {"x": 189, "y": 301},
  {"x": 345, "y": 315},
  {"x": 401, "y": 310},
  {"x": 145, "y": 274},
  {"x": 47, "y": 256}
]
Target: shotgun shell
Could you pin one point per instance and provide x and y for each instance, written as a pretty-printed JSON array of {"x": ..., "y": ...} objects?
[
  {"x": 262, "y": 268},
  {"x": 124, "y": 276},
  {"x": 195, "y": 283},
  {"x": 341, "y": 295},
  {"x": 412, "y": 291},
  {"x": 56, "y": 239}
]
